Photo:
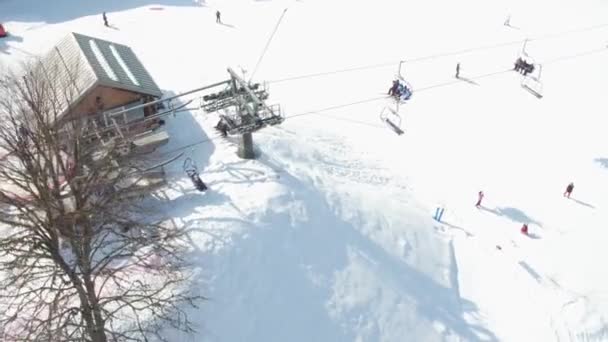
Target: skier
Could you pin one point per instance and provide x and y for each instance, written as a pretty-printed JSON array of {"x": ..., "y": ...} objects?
[
  {"x": 394, "y": 90},
  {"x": 458, "y": 70},
  {"x": 518, "y": 65},
  {"x": 480, "y": 197},
  {"x": 569, "y": 189},
  {"x": 105, "y": 19},
  {"x": 222, "y": 127},
  {"x": 524, "y": 229},
  {"x": 528, "y": 68},
  {"x": 218, "y": 17}
]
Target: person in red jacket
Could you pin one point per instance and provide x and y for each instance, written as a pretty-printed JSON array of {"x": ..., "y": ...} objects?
[
  {"x": 479, "y": 199},
  {"x": 524, "y": 229}
]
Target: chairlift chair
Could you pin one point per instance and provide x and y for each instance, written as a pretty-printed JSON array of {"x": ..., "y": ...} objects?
[
  {"x": 392, "y": 119},
  {"x": 532, "y": 82}
]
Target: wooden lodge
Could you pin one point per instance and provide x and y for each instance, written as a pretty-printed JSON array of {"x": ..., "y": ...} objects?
[{"x": 98, "y": 80}]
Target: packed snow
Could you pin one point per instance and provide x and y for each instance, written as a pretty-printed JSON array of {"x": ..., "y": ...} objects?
[{"x": 329, "y": 235}]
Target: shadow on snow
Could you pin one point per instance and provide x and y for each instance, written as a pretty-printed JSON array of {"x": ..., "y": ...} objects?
[
  {"x": 4, "y": 42},
  {"x": 512, "y": 214},
  {"x": 291, "y": 266},
  {"x": 602, "y": 161}
]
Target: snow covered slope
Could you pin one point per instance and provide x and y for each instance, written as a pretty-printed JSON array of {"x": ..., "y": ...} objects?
[{"x": 329, "y": 236}]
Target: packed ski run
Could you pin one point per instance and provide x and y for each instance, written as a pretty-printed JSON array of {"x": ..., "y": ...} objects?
[{"x": 482, "y": 219}]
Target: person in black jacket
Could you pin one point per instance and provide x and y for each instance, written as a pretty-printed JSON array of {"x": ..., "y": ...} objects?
[{"x": 569, "y": 189}]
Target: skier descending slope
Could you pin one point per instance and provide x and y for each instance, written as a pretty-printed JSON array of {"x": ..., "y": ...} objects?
[
  {"x": 569, "y": 189},
  {"x": 479, "y": 199}
]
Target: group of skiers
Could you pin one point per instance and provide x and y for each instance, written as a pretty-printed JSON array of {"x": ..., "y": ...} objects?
[
  {"x": 399, "y": 90},
  {"x": 523, "y": 67},
  {"x": 524, "y": 228}
]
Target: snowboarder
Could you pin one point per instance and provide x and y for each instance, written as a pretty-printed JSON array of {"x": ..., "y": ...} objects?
[
  {"x": 479, "y": 199},
  {"x": 218, "y": 16},
  {"x": 524, "y": 229},
  {"x": 569, "y": 189},
  {"x": 458, "y": 70},
  {"x": 508, "y": 21}
]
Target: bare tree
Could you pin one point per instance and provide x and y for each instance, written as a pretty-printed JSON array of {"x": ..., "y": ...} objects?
[{"x": 81, "y": 259}]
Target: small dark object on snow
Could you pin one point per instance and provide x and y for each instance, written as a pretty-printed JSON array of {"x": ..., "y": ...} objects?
[
  {"x": 192, "y": 172},
  {"x": 3, "y": 32},
  {"x": 222, "y": 127},
  {"x": 218, "y": 16},
  {"x": 479, "y": 199},
  {"x": 105, "y": 19},
  {"x": 524, "y": 229},
  {"x": 569, "y": 189}
]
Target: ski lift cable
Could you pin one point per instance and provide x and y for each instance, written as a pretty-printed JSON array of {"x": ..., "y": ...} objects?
[
  {"x": 255, "y": 69},
  {"x": 327, "y": 109},
  {"x": 208, "y": 140},
  {"x": 441, "y": 55}
]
